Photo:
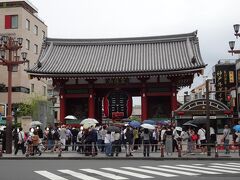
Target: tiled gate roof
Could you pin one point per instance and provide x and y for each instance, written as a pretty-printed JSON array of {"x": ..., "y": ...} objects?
[{"x": 110, "y": 57}]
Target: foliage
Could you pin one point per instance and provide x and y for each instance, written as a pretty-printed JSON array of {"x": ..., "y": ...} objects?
[
  {"x": 135, "y": 118},
  {"x": 22, "y": 109}
]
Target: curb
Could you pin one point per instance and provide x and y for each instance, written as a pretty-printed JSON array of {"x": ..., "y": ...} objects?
[{"x": 121, "y": 158}]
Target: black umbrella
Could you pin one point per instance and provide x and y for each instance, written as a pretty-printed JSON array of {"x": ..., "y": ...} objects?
[
  {"x": 113, "y": 129},
  {"x": 199, "y": 121}
]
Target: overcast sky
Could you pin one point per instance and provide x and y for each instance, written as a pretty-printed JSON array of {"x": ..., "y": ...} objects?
[{"x": 213, "y": 19}]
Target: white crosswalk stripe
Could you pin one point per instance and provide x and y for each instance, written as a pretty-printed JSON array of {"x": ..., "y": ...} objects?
[
  {"x": 78, "y": 175},
  {"x": 142, "y": 176},
  {"x": 149, "y": 171},
  {"x": 50, "y": 175},
  {"x": 227, "y": 165},
  {"x": 210, "y": 169},
  {"x": 170, "y": 170},
  {"x": 228, "y": 168},
  {"x": 140, "y": 171},
  {"x": 107, "y": 175},
  {"x": 189, "y": 169},
  {"x": 234, "y": 163}
]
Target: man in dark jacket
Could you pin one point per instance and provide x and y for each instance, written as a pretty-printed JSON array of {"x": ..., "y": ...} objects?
[{"x": 93, "y": 141}]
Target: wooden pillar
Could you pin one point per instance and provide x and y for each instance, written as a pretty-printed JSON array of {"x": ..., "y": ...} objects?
[
  {"x": 62, "y": 106},
  {"x": 91, "y": 99},
  {"x": 144, "y": 100},
  {"x": 144, "y": 105},
  {"x": 174, "y": 98}
]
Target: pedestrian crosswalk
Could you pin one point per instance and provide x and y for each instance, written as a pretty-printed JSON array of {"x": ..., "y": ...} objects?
[{"x": 142, "y": 172}]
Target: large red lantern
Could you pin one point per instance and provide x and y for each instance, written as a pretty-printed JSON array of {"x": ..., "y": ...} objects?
[{"x": 117, "y": 105}]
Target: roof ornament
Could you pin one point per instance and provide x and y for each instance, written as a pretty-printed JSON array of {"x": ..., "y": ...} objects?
[
  {"x": 193, "y": 60},
  {"x": 39, "y": 64}
]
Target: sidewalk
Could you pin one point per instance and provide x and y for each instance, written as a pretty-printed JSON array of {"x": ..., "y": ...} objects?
[{"x": 137, "y": 155}]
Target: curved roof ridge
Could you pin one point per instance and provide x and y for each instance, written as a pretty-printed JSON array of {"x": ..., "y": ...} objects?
[
  {"x": 201, "y": 99},
  {"x": 146, "y": 39}
]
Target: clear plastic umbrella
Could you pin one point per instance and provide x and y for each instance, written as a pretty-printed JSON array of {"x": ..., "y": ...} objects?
[
  {"x": 87, "y": 125},
  {"x": 70, "y": 117},
  {"x": 89, "y": 120},
  {"x": 148, "y": 126},
  {"x": 35, "y": 123}
]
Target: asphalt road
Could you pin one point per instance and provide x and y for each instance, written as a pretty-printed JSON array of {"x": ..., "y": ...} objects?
[{"x": 118, "y": 169}]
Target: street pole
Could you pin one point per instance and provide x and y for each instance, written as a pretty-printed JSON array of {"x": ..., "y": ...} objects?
[
  {"x": 10, "y": 45},
  {"x": 208, "y": 118},
  {"x": 9, "y": 112}
]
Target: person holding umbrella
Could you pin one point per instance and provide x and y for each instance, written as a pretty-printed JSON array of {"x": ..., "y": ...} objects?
[
  {"x": 129, "y": 141},
  {"x": 226, "y": 138},
  {"x": 108, "y": 144},
  {"x": 146, "y": 142}
]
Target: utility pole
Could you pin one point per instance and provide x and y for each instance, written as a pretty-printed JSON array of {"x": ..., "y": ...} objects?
[{"x": 208, "y": 118}]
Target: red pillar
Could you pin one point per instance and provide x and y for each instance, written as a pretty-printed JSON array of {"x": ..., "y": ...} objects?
[
  {"x": 174, "y": 98},
  {"x": 144, "y": 105},
  {"x": 91, "y": 104},
  {"x": 62, "y": 106}
]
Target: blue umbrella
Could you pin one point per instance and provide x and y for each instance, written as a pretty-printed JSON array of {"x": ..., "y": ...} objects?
[
  {"x": 237, "y": 128},
  {"x": 152, "y": 122},
  {"x": 134, "y": 124},
  {"x": 162, "y": 122}
]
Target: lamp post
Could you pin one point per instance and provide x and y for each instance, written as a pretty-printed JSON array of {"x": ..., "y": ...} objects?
[
  {"x": 232, "y": 43},
  {"x": 9, "y": 47}
]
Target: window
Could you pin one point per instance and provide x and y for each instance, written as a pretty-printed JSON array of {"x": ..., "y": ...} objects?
[
  {"x": 43, "y": 34},
  {"x": 11, "y": 22},
  {"x": 36, "y": 49},
  {"x": 35, "y": 30},
  {"x": 32, "y": 88},
  {"x": 27, "y": 44},
  {"x": 27, "y": 24}
]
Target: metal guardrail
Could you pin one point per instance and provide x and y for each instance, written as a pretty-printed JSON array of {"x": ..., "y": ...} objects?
[{"x": 92, "y": 149}]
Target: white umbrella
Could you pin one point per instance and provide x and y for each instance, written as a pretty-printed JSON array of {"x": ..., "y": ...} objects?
[
  {"x": 148, "y": 126},
  {"x": 35, "y": 123},
  {"x": 70, "y": 117},
  {"x": 179, "y": 128},
  {"x": 89, "y": 121},
  {"x": 2, "y": 128}
]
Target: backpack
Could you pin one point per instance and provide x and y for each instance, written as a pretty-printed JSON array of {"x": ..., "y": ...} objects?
[
  {"x": 56, "y": 135},
  {"x": 185, "y": 136}
]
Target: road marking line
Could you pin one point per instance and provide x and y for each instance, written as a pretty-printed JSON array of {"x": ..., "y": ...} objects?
[
  {"x": 198, "y": 164},
  {"x": 142, "y": 176},
  {"x": 234, "y": 163},
  {"x": 149, "y": 171},
  {"x": 210, "y": 169},
  {"x": 228, "y": 168},
  {"x": 189, "y": 169},
  {"x": 78, "y": 175},
  {"x": 227, "y": 165},
  {"x": 108, "y": 175},
  {"x": 50, "y": 175},
  {"x": 170, "y": 170}
]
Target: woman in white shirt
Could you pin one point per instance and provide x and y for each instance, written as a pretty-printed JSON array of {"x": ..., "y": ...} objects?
[{"x": 202, "y": 137}]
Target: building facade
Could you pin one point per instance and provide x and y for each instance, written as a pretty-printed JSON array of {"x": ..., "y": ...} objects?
[{"x": 20, "y": 19}]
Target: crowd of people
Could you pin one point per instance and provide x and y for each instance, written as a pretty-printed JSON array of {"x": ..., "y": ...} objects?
[{"x": 127, "y": 139}]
